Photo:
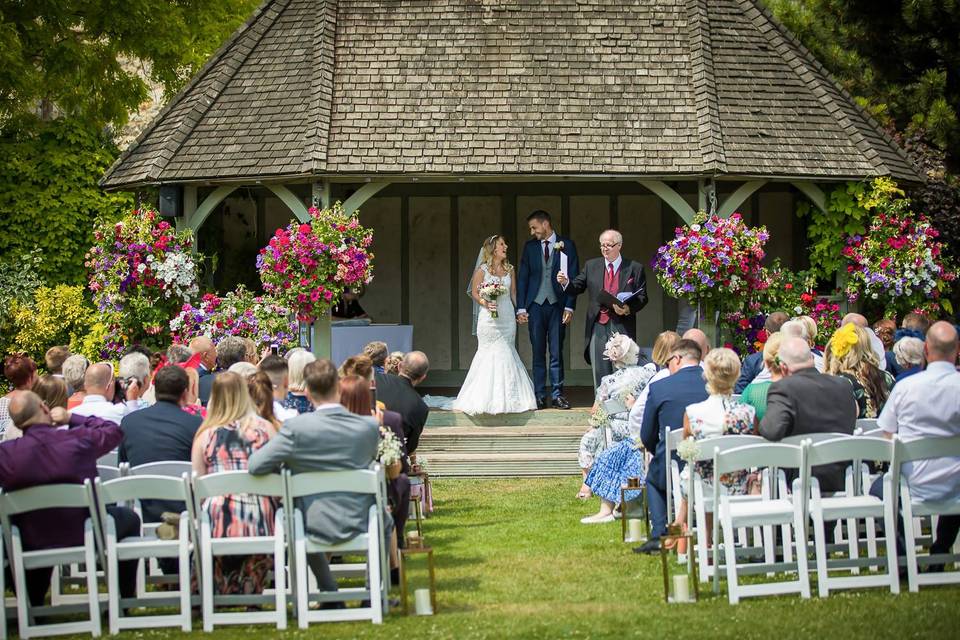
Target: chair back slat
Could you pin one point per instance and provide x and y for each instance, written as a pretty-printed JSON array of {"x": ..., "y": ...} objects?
[
  {"x": 105, "y": 472},
  {"x": 928, "y": 448},
  {"x": 674, "y": 436},
  {"x": 235, "y": 482},
  {"x": 318, "y": 482},
  {"x": 849, "y": 448},
  {"x": 866, "y": 424},
  {"x": 771, "y": 454},
  {"x": 48, "y": 496},
  {"x": 111, "y": 459},
  {"x": 710, "y": 446},
  {"x": 142, "y": 488},
  {"x": 814, "y": 437},
  {"x": 169, "y": 468}
]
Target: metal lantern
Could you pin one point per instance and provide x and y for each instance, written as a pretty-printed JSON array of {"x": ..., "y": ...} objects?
[
  {"x": 680, "y": 582},
  {"x": 634, "y": 527}
]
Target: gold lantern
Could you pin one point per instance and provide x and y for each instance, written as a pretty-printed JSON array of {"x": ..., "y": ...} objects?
[{"x": 634, "y": 528}]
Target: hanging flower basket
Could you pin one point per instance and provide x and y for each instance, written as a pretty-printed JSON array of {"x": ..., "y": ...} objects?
[{"x": 307, "y": 266}]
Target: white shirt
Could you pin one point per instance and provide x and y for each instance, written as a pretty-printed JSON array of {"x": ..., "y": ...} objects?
[
  {"x": 100, "y": 407},
  {"x": 616, "y": 264},
  {"x": 877, "y": 345},
  {"x": 282, "y": 413},
  {"x": 927, "y": 404},
  {"x": 636, "y": 412}
]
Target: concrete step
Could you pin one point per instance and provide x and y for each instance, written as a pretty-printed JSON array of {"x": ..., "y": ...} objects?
[
  {"x": 545, "y": 418},
  {"x": 464, "y": 465}
]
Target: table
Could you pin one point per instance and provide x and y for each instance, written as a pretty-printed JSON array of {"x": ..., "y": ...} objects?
[{"x": 349, "y": 340}]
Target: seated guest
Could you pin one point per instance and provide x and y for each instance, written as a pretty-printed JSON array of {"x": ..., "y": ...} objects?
[
  {"x": 52, "y": 391},
  {"x": 208, "y": 363},
  {"x": 665, "y": 407},
  {"x": 628, "y": 379},
  {"x": 21, "y": 372},
  {"x": 226, "y": 440},
  {"x": 230, "y": 351},
  {"x": 753, "y": 364},
  {"x": 100, "y": 387},
  {"x": 54, "y": 359},
  {"x": 330, "y": 438},
  {"x": 377, "y": 352},
  {"x": 161, "y": 433},
  {"x": 297, "y": 395},
  {"x": 798, "y": 329},
  {"x": 277, "y": 370},
  {"x": 261, "y": 394},
  {"x": 916, "y": 322},
  {"x": 134, "y": 367},
  {"x": 48, "y": 455},
  {"x": 927, "y": 405},
  {"x": 755, "y": 394},
  {"x": 812, "y": 332},
  {"x": 885, "y": 330},
  {"x": 718, "y": 415},
  {"x": 807, "y": 401},
  {"x": 398, "y": 393},
  {"x": 392, "y": 363},
  {"x": 662, "y": 349},
  {"x": 73, "y": 369},
  {"x": 623, "y": 460},
  {"x": 178, "y": 354},
  {"x": 850, "y": 355},
  {"x": 875, "y": 344},
  {"x": 250, "y": 349},
  {"x": 191, "y": 403},
  {"x": 243, "y": 369},
  {"x": 909, "y": 354}
]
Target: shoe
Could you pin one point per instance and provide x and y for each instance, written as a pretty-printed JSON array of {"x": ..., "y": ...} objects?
[
  {"x": 650, "y": 548},
  {"x": 594, "y": 519},
  {"x": 541, "y": 404},
  {"x": 395, "y": 577},
  {"x": 560, "y": 403}
]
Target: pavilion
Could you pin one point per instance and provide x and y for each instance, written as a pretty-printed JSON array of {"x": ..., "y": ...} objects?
[{"x": 444, "y": 121}]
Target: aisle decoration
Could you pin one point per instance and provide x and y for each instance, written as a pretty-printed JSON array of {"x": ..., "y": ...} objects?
[
  {"x": 141, "y": 273},
  {"x": 237, "y": 313},
  {"x": 307, "y": 266},
  {"x": 714, "y": 263},
  {"x": 899, "y": 264}
]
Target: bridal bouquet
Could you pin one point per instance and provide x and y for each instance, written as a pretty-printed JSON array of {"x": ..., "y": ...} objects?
[{"x": 490, "y": 291}]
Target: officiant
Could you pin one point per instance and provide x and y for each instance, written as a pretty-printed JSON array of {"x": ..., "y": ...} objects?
[{"x": 617, "y": 288}]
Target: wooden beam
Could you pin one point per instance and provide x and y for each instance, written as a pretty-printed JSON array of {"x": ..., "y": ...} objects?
[
  {"x": 209, "y": 203},
  {"x": 671, "y": 197},
  {"x": 291, "y": 200},
  {"x": 321, "y": 194},
  {"x": 813, "y": 192},
  {"x": 738, "y": 197},
  {"x": 363, "y": 194}
]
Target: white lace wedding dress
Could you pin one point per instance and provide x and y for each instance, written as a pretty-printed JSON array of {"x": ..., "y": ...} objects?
[{"x": 497, "y": 381}]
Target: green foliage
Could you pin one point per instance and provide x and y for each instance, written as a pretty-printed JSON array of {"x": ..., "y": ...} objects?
[
  {"x": 49, "y": 196},
  {"x": 827, "y": 230},
  {"x": 56, "y": 315},
  {"x": 80, "y": 58}
]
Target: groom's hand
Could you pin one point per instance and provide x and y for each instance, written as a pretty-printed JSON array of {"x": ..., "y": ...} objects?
[
  {"x": 522, "y": 318},
  {"x": 567, "y": 316},
  {"x": 562, "y": 278}
]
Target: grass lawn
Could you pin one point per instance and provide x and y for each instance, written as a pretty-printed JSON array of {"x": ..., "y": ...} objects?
[{"x": 513, "y": 561}]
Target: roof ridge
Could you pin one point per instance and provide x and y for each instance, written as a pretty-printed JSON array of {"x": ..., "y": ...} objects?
[
  {"x": 705, "y": 88},
  {"x": 322, "y": 78},
  {"x": 217, "y": 56},
  {"x": 807, "y": 59}
]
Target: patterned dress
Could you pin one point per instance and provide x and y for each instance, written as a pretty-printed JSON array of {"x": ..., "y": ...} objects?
[
  {"x": 629, "y": 380},
  {"x": 299, "y": 403},
  {"x": 721, "y": 416},
  {"x": 238, "y": 515}
]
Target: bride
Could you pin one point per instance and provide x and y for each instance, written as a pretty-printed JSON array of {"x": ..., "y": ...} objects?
[{"x": 497, "y": 381}]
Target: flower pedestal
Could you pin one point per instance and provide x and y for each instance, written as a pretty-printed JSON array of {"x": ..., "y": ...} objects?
[{"x": 321, "y": 336}]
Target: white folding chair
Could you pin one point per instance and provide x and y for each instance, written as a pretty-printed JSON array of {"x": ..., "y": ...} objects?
[
  {"x": 367, "y": 482},
  {"x": 135, "y": 488},
  {"x": 851, "y": 507},
  {"x": 865, "y": 424},
  {"x": 106, "y": 473},
  {"x": 914, "y": 451},
  {"x": 52, "y": 496},
  {"x": 111, "y": 459},
  {"x": 781, "y": 511},
  {"x": 671, "y": 440},
  {"x": 236, "y": 483}
]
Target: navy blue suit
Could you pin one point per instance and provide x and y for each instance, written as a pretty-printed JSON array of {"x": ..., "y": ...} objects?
[
  {"x": 666, "y": 404},
  {"x": 546, "y": 320},
  {"x": 750, "y": 369}
]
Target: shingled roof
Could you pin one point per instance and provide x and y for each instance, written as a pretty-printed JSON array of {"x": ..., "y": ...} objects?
[{"x": 649, "y": 88}]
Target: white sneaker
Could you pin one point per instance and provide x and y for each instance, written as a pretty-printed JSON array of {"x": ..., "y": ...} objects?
[{"x": 596, "y": 519}]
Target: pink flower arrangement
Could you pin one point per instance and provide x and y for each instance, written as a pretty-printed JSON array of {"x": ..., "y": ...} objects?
[
  {"x": 238, "y": 313},
  {"x": 307, "y": 266}
]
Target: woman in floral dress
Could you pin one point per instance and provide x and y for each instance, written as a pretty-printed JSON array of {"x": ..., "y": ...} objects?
[
  {"x": 850, "y": 355},
  {"x": 231, "y": 432}
]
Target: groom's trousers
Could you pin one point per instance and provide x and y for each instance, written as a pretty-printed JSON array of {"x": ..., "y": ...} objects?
[{"x": 545, "y": 322}]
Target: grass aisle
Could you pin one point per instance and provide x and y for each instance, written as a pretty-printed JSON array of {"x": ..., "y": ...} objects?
[{"x": 513, "y": 561}]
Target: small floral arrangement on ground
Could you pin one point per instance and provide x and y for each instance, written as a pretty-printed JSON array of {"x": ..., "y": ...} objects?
[
  {"x": 899, "y": 263},
  {"x": 714, "y": 260},
  {"x": 490, "y": 291},
  {"x": 238, "y": 313},
  {"x": 307, "y": 266},
  {"x": 141, "y": 274},
  {"x": 389, "y": 450}
]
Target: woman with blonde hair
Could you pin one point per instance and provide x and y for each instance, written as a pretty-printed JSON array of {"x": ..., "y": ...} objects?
[
  {"x": 755, "y": 393},
  {"x": 261, "y": 394},
  {"x": 850, "y": 354},
  {"x": 296, "y": 389},
  {"x": 231, "y": 432}
]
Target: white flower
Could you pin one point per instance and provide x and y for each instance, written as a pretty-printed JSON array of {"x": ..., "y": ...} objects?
[
  {"x": 558, "y": 245},
  {"x": 695, "y": 227},
  {"x": 798, "y": 311},
  {"x": 688, "y": 449}
]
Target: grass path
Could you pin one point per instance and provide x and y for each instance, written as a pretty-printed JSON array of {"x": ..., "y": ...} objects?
[{"x": 514, "y": 562}]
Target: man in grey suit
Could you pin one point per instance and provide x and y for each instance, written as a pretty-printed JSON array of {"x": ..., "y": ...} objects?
[
  {"x": 807, "y": 401},
  {"x": 331, "y": 438}
]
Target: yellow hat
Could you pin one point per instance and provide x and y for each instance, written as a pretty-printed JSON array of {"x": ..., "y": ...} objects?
[{"x": 843, "y": 340}]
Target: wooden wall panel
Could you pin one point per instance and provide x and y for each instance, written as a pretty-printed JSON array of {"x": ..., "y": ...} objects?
[
  {"x": 384, "y": 296},
  {"x": 640, "y": 223},
  {"x": 776, "y": 212},
  {"x": 431, "y": 289}
]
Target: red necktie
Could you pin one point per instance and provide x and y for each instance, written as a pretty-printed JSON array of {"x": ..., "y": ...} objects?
[
  {"x": 546, "y": 251},
  {"x": 610, "y": 286}
]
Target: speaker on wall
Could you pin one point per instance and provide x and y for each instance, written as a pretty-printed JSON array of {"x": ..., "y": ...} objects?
[{"x": 171, "y": 201}]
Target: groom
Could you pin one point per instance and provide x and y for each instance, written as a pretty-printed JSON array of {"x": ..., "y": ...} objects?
[{"x": 542, "y": 304}]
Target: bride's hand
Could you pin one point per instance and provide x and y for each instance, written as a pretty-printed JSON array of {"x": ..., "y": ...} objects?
[{"x": 491, "y": 305}]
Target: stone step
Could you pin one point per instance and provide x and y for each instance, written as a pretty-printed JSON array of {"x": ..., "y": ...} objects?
[
  {"x": 504, "y": 439},
  {"x": 462, "y": 465},
  {"x": 545, "y": 418}
]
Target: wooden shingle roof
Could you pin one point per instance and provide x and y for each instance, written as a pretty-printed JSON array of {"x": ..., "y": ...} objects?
[{"x": 535, "y": 87}]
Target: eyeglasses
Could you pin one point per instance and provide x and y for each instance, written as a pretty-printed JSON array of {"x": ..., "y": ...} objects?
[
  {"x": 675, "y": 356},
  {"x": 608, "y": 245}
]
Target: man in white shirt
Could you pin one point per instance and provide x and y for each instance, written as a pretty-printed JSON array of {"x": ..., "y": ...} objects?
[
  {"x": 98, "y": 382},
  {"x": 276, "y": 369},
  {"x": 927, "y": 405}
]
